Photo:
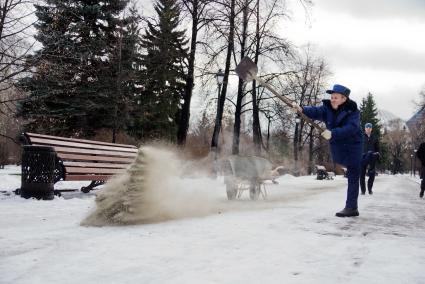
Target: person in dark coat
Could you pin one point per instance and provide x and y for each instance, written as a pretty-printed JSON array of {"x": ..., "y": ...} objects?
[
  {"x": 369, "y": 157},
  {"x": 421, "y": 155},
  {"x": 342, "y": 119}
]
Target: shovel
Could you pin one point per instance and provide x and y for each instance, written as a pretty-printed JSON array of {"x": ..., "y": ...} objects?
[{"x": 247, "y": 71}]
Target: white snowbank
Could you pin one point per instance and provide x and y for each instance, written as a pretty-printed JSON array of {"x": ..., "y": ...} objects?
[{"x": 293, "y": 237}]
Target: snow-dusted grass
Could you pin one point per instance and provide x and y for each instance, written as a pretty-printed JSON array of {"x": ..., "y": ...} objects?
[{"x": 292, "y": 237}]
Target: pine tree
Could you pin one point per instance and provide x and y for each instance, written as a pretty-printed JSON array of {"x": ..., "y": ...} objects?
[
  {"x": 72, "y": 88},
  {"x": 164, "y": 66},
  {"x": 369, "y": 113},
  {"x": 126, "y": 64}
]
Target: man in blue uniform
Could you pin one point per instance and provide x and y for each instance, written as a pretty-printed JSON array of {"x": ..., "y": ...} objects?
[
  {"x": 421, "y": 155},
  {"x": 342, "y": 119},
  {"x": 369, "y": 157}
]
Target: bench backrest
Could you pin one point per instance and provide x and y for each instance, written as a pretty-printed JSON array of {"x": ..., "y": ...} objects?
[{"x": 87, "y": 159}]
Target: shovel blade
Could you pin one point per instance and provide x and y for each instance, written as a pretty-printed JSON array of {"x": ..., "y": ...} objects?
[{"x": 246, "y": 69}]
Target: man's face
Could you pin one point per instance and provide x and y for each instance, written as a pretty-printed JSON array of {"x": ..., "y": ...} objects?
[
  {"x": 337, "y": 99},
  {"x": 368, "y": 130}
]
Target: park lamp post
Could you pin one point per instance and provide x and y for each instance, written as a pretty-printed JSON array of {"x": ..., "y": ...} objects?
[
  {"x": 219, "y": 76},
  {"x": 297, "y": 122},
  {"x": 297, "y": 119},
  {"x": 296, "y": 137},
  {"x": 411, "y": 164},
  {"x": 414, "y": 163}
]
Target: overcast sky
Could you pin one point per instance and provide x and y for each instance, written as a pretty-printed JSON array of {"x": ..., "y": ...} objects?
[{"x": 375, "y": 46}]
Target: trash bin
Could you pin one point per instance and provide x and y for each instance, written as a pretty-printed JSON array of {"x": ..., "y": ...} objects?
[{"x": 38, "y": 165}]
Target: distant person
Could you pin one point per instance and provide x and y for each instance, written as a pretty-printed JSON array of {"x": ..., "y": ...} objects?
[
  {"x": 421, "y": 155},
  {"x": 342, "y": 119},
  {"x": 369, "y": 157}
]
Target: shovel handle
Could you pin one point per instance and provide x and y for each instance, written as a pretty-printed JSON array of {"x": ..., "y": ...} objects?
[{"x": 288, "y": 102}]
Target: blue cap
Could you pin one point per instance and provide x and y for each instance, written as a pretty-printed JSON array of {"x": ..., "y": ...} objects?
[
  {"x": 339, "y": 89},
  {"x": 368, "y": 125}
]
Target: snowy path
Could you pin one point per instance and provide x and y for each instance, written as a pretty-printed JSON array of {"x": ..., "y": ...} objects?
[{"x": 293, "y": 237}]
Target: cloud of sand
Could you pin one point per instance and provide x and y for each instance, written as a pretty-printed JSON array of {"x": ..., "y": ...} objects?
[
  {"x": 158, "y": 186},
  {"x": 151, "y": 190}
]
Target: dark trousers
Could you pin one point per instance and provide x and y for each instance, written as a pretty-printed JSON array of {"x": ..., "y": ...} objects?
[
  {"x": 353, "y": 173},
  {"x": 422, "y": 181},
  {"x": 368, "y": 164}
]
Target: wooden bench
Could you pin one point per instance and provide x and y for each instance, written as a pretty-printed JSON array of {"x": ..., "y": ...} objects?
[
  {"x": 322, "y": 173},
  {"x": 84, "y": 160}
]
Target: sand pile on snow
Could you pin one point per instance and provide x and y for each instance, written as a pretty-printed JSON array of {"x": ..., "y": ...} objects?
[{"x": 151, "y": 190}]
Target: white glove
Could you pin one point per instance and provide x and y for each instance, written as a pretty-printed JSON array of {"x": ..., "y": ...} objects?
[{"x": 326, "y": 134}]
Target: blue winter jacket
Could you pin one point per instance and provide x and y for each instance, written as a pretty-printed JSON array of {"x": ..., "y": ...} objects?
[{"x": 344, "y": 123}]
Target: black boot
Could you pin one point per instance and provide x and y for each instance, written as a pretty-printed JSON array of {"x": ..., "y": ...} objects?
[
  {"x": 421, "y": 194},
  {"x": 348, "y": 212},
  {"x": 369, "y": 186}
]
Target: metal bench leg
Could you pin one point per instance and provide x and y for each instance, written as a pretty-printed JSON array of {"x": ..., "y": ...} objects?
[{"x": 94, "y": 183}]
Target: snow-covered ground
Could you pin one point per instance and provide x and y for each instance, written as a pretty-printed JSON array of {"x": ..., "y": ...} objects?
[{"x": 292, "y": 237}]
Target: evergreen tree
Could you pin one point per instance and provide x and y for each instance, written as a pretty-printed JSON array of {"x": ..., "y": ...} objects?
[
  {"x": 369, "y": 113},
  {"x": 164, "y": 66},
  {"x": 126, "y": 64},
  {"x": 71, "y": 91}
]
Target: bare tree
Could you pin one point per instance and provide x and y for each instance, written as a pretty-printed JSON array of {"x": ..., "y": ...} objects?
[
  {"x": 198, "y": 11},
  {"x": 15, "y": 43},
  {"x": 15, "y": 39},
  {"x": 264, "y": 45},
  {"x": 252, "y": 29},
  {"x": 243, "y": 38},
  {"x": 417, "y": 122},
  {"x": 222, "y": 98},
  {"x": 256, "y": 128},
  {"x": 9, "y": 128},
  {"x": 399, "y": 143},
  {"x": 316, "y": 145},
  {"x": 304, "y": 87}
]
